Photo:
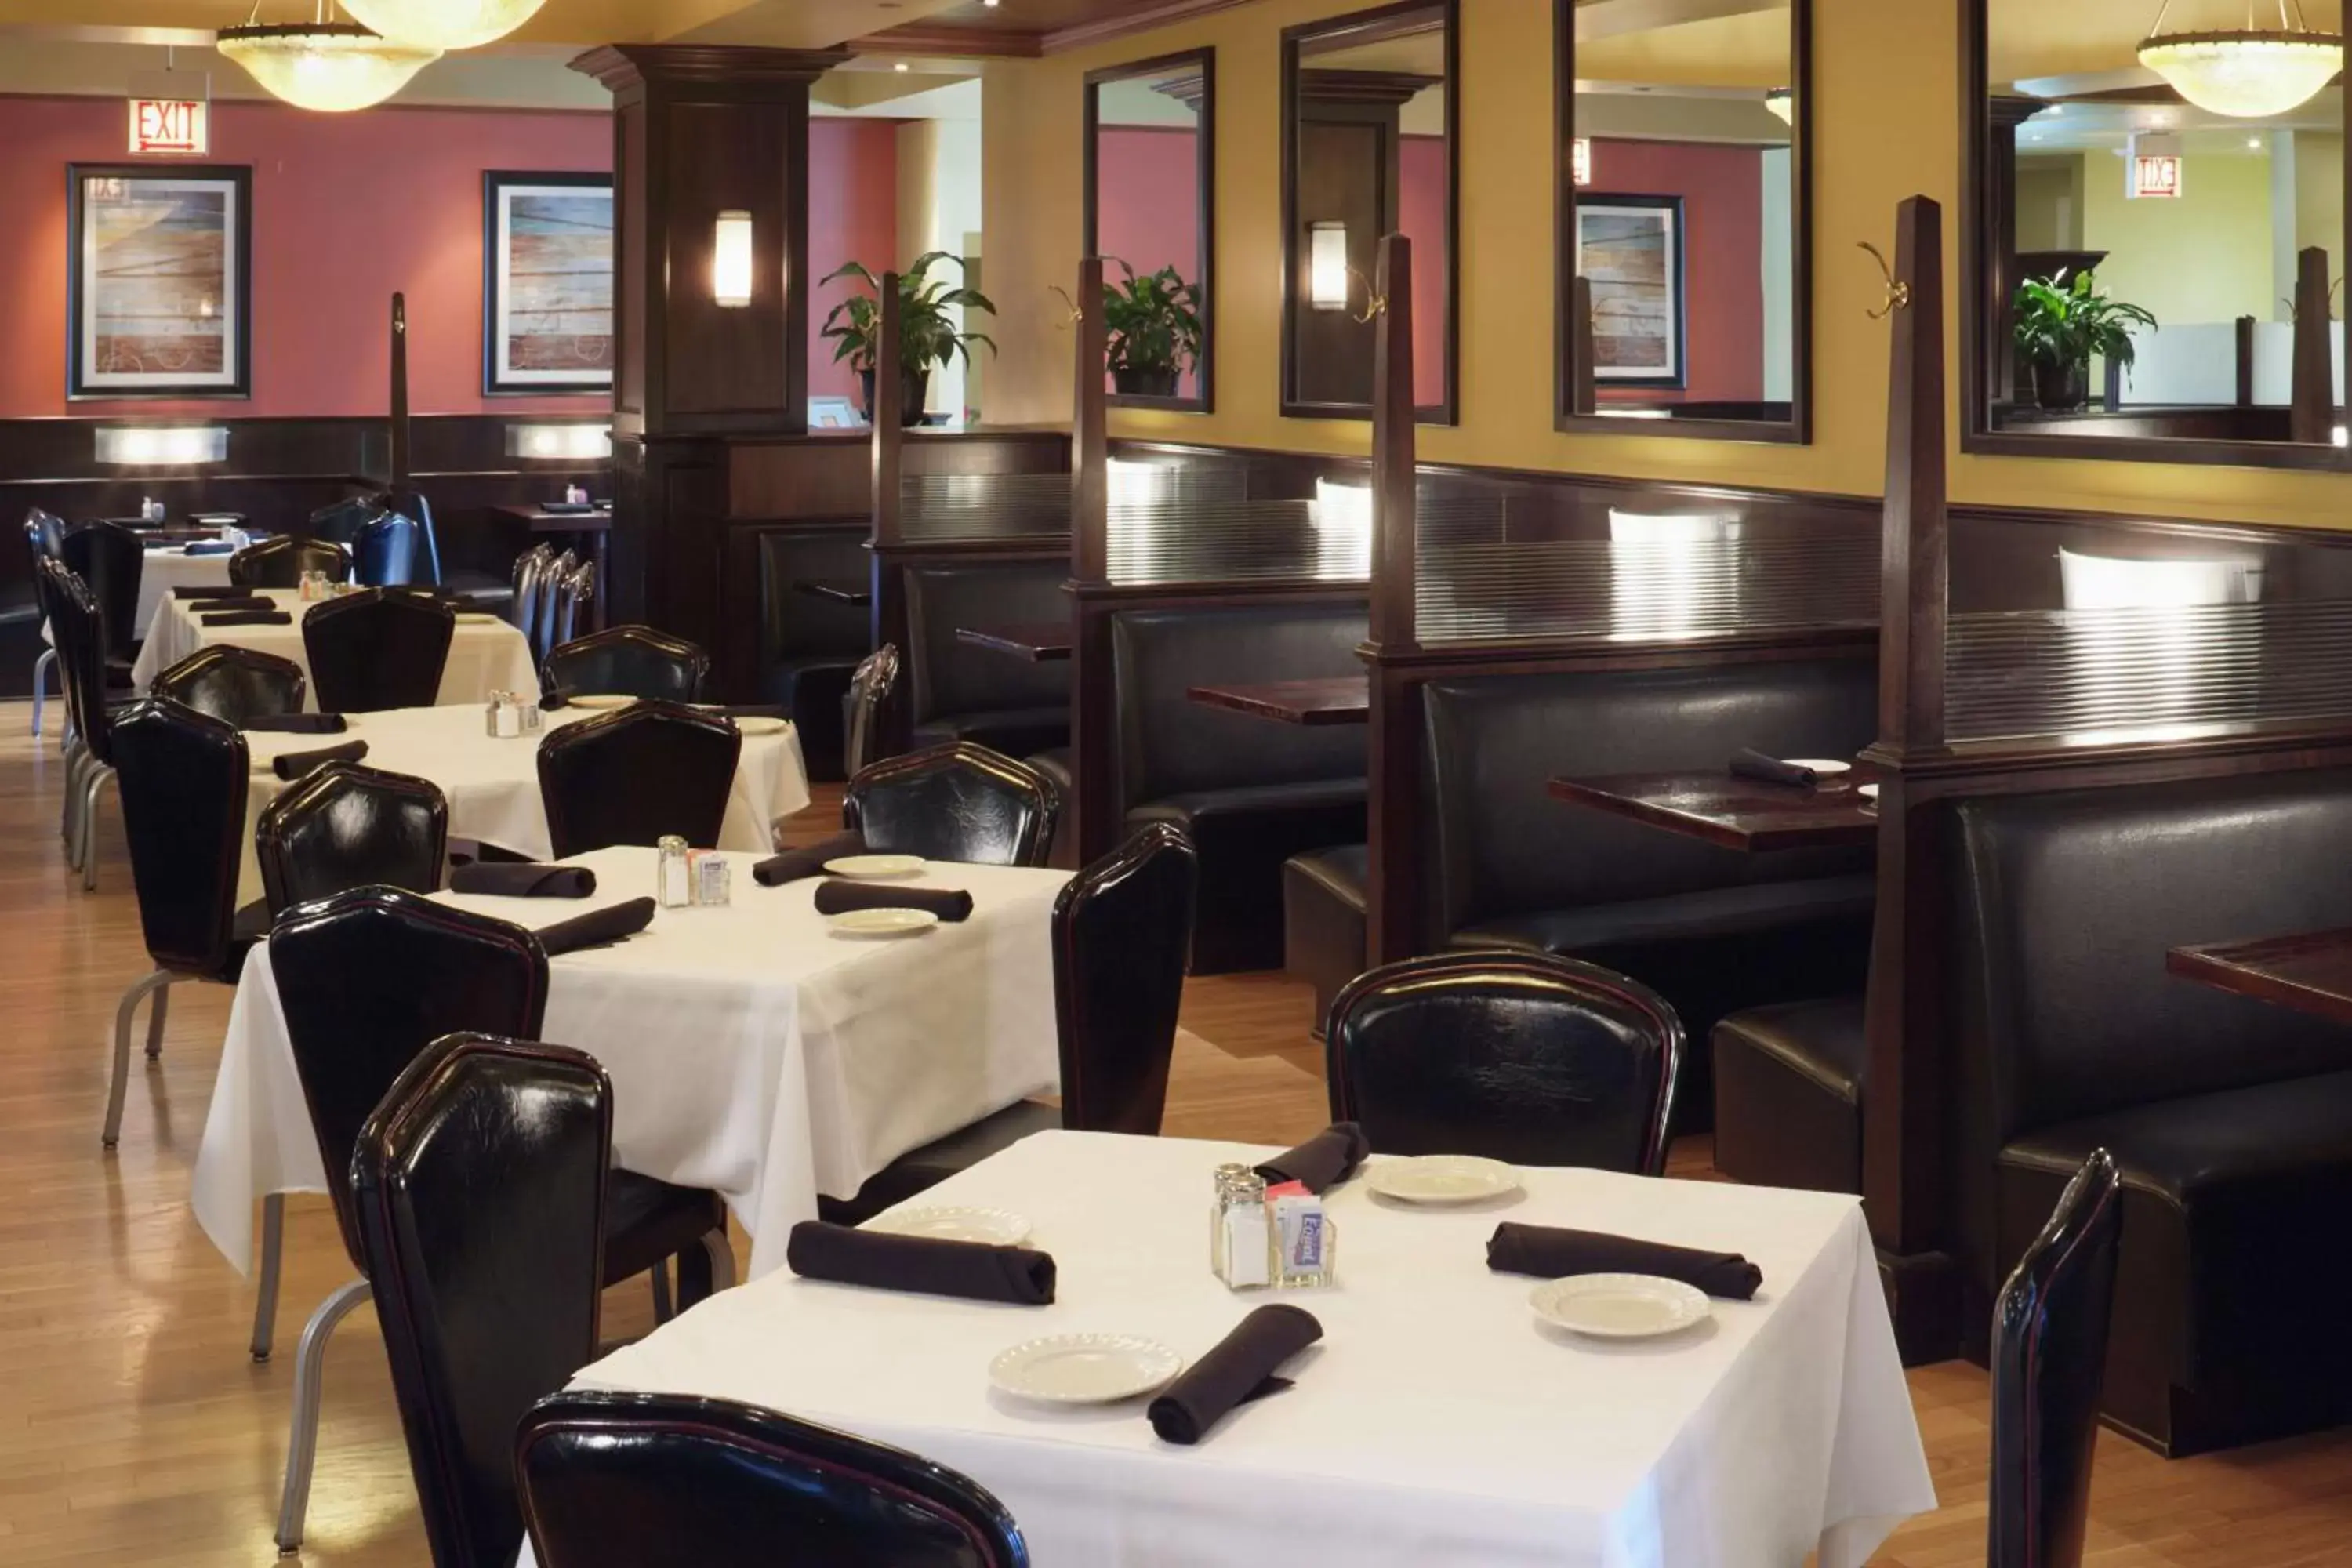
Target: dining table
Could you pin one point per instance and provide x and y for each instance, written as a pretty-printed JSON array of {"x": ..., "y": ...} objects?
[
  {"x": 487, "y": 653},
  {"x": 2308, "y": 972},
  {"x": 1435, "y": 1422},
  {"x": 755, "y": 1048},
  {"x": 1044, "y": 643},
  {"x": 1720, "y": 808},
  {"x": 1333, "y": 699}
]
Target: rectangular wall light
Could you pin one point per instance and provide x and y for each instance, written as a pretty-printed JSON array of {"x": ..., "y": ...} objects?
[
  {"x": 731, "y": 260},
  {"x": 1327, "y": 266},
  {"x": 161, "y": 446},
  {"x": 560, "y": 443}
]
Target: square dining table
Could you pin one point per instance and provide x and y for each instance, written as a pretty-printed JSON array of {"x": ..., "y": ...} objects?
[
  {"x": 753, "y": 1049},
  {"x": 486, "y": 654},
  {"x": 1436, "y": 1424}
]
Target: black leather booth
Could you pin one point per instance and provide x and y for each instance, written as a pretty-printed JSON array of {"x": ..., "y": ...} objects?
[
  {"x": 809, "y": 644},
  {"x": 2229, "y": 1119},
  {"x": 958, "y": 692},
  {"x": 1250, "y": 793}
]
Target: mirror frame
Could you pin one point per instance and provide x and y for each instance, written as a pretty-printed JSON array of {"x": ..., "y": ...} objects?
[
  {"x": 1447, "y": 410},
  {"x": 1982, "y": 303},
  {"x": 1205, "y": 185},
  {"x": 1798, "y": 428}
]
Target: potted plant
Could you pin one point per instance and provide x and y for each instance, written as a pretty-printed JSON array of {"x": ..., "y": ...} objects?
[
  {"x": 927, "y": 333},
  {"x": 2060, "y": 325},
  {"x": 1152, "y": 329}
]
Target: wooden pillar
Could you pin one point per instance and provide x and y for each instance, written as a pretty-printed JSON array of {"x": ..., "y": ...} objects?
[
  {"x": 887, "y": 623},
  {"x": 399, "y": 401},
  {"x": 1580, "y": 356},
  {"x": 2245, "y": 349},
  {"x": 2311, "y": 418},
  {"x": 1392, "y": 902},
  {"x": 1090, "y": 432},
  {"x": 1094, "y": 709}
]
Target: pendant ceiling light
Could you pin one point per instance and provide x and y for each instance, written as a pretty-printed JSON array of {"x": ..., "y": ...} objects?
[
  {"x": 329, "y": 65},
  {"x": 2249, "y": 72},
  {"x": 444, "y": 24}
]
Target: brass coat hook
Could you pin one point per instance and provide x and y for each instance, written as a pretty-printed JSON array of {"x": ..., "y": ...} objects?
[
  {"x": 1375, "y": 302},
  {"x": 1077, "y": 312},
  {"x": 1898, "y": 292}
]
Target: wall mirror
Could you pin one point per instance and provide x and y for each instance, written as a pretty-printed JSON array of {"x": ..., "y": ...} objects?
[
  {"x": 1150, "y": 170},
  {"x": 1369, "y": 149},
  {"x": 2153, "y": 235},
  {"x": 1683, "y": 255}
]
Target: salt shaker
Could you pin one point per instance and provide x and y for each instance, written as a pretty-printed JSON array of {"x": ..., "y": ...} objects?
[
  {"x": 150, "y": 509},
  {"x": 673, "y": 884},
  {"x": 1240, "y": 1244}
]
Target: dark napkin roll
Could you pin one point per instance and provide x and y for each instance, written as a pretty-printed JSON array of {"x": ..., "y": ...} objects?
[
  {"x": 210, "y": 547},
  {"x": 553, "y": 699},
  {"x": 1324, "y": 1160},
  {"x": 228, "y": 602},
  {"x": 296, "y": 723},
  {"x": 1019, "y": 1275},
  {"x": 567, "y": 507},
  {"x": 1748, "y": 762},
  {"x": 794, "y": 864},
  {"x": 212, "y": 591},
  {"x": 250, "y": 619},
  {"x": 1551, "y": 1253},
  {"x": 833, "y": 898},
  {"x": 523, "y": 879},
  {"x": 1239, "y": 1370},
  {"x": 597, "y": 928},
  {"x": 294, "y": 764}
]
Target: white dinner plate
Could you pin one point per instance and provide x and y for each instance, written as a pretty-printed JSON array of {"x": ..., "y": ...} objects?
[
  {"x": 875, "y": 866},
  {"x": 601, "y": 700},
  {"x": 1867, "y": 792},
  {"x": 1442, "y": 1179},
  {"x": 761, "y": 724},
  {"x": 990, "y": 1227},
  {"x": 1822, "y": 767},
  {"x": 1084, "y": 1369},
  {"x": 881, "y": 923},
  {"x": 1620, "y": 1306}
]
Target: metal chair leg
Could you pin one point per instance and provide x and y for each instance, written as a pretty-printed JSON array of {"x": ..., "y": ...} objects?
[
  {"x": 98, "y": 784},
  {"x": 723, "y": 1259},
  {"x": 41, "y": 668},
  {"x": 302, "y": 1445},
  {"x": 67, "y": 818},
  {"x": 273, "y": 1251},
  {"x": 157, "y": 1011},
  {"x": 659, "y": 1275},
  {"x": 124, "y": 1011}
]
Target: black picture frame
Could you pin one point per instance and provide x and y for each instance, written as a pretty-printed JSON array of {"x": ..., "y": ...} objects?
[
  {"x": 1677, "y": 375},
  {"x": 500, "y": 378},
  {"x": 1201, "y": 64},
  {"x": 87, "y": 377}
]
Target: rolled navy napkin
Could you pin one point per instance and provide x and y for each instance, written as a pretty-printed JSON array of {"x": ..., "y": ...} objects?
[
  {"x": 1324, "y": 1160},
  {"x": 295, "y": 764},
  {"x": 835, "y": 896},
  {"x": 794, "y": 864},
  {"x": 1748, "y": 762},
  {"x": 212, "y": 591},
  {"x": 228, "y": 603},
  {"x": 296, "y": 723},
  {"x": 552, "y": 699},
  {"x": 1551, "y": 1253},
  {"x": 597, "y": 928},
  {"x": 523, "y": 879},
  {"x": 209, "y": 547},
  {"x": 1240, "y": 1369},
  {"x": 250, "y": 619},
  {"x": 1019, "y": 1275}
]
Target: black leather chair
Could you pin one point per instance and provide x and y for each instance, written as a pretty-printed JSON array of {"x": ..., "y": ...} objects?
[
  {"x": 373, "y": 650},
  {"x": 366, "y": 980},
  {"x": 234, "y": 683},
  {"x": 342, "y": 522},
  {"x": 2049, "y": 1344},
  {"x": 809, "y": 643},
  {"x": 111, "y": 559},
  {"x": 1529, "y": 1057},
  {"x": 344, "y": 826},
  {"x": 541, "y": 631},
  {"x": 279, "y": 561},
  {"x": 479, "y": 1187},
  {"x": 1326, "y": 926},
  {"x": 636, "y": 775},
  {"x": 629, "y": 661},
  {"x": 1121, "y": 929},
  {"x": 384, "y": 554},
  {"x": 530, "y": 588},
  {"x": 182, "y": 777},
  {"x": 625, "y": 1481},
  {"x": 958, "y": 692},
  {"x": 76, "y": 623},
  {"x": 956, "y": 801},
  {"x": 576, "y": 605},
  {"x": 43, "y": 532},
  {"x": 870, "y": 686}
]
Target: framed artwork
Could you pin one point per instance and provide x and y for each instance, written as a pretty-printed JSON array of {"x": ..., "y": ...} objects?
[
  {"x": 161, "y": 281},
  {"x": 1630, "y": 249},
  {"x": 547, "y": 282}
]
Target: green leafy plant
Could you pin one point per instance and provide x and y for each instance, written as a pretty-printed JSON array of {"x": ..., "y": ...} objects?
[
  {"x": 1151, "y": 321},
  {"x": 2063, "y": 324},
  {"x": 926, "y": 333}
]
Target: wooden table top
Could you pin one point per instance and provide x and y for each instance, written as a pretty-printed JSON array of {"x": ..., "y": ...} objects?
[
  {"x": 836, "y": 592},
  {"x": 1737, "y": 813},
  {"x": 541, "y": 521},
  {"x": 1044, "y": 643},
  {"x": 2310, "y": 971},
  {"x": 1337, "y": 700}
]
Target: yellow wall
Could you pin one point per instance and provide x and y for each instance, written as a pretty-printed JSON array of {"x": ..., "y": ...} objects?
[
  {"x": 2050, "y": 203},
  {"x": 2204, "y": 257},
  {"x": 1886, "y": 118},
  {"x": 2319, "y": 193}
]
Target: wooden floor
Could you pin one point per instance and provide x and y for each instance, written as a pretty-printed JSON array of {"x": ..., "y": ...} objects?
[{"x": 136, "y": 1429}]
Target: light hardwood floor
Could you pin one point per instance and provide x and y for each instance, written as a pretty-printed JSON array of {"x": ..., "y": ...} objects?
[{"x": 136, "y": 1429}]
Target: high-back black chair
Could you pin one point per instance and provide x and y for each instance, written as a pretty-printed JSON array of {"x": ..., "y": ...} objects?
[
  {"x": 619, "y": 1480},
  {"x": 628, "y": 661},
  {"x": 531, "y": 585},
  {"x": 870, "y": 686},
  {"x": 343, "y": 521},
  {"x": 384, "y": 554},
  {"x": 111, "y": 559},
  {"x": 956, "y": 801},
  {"x": 1527, "y": 1058},
  {"x": 373, "y": 650},
  {"x": 183, "y": 777},
  {"x": 279, "y": 561},
  {"x": 479, "y": 1185},
  {"x": 637, "y": 774},
  {"x": 410, "y": 503},
  {"x": 77, "y": 625},
  {"x": 47, "y": 529},
  {"x": 234, "y": 683},
  {"x": 575, "y": 604},
  {"x": 43, "y": 532},
  {"x": 344, "y": 826},
  {"x": 541, "y": 631},
  {"x": 2048, "y": 1347}
]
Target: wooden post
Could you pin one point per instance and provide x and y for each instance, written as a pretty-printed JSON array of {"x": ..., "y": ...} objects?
[
  {"x": 399, "y": 392},
  {"x": 886, "y": 588},
  {"x": 2245, "y": 343},
  {"x": 2312, "y": 419},
  {"x": 1579, "y": 359},
  {"x": 1089, "y": 434},
  {"x": 1914, "y": 569},
  {"x": 1094, "y": 716},
  {"x": 1392, "y": 908}
]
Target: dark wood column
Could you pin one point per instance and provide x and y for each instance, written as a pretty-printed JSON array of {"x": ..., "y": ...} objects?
[
  {"x": 1999, "y": 231},
  {"x": 1350, "y": 157}
]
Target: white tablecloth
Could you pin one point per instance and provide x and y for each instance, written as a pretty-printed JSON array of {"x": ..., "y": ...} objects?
[
  {"x": 1435, "y": 1423},
  {"x": 751, "y": 1050},
  {"x": 163, "y": 570},
  {"x": 486, "y": 654},
  {"x": 493, "y": 785}
]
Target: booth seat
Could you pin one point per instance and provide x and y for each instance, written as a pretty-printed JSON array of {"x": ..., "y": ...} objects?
[
  {"x": 2229, "y": 1119},
  {"x": 960, "y": 692},
  {"x": 1326, "y": 929},
  {"x": 1788, "y": 1094},
  {"x": 1249, "y": 792},
  {"x": 809, "y": 645}
]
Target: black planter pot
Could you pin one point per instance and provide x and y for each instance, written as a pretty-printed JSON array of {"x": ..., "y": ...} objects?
[
  {"x": 913, "y": 385},
  {"x": 2062, "y": 388},
  {"x": 1160, "y": 383}
]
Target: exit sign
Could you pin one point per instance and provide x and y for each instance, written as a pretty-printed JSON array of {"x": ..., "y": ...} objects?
[
  {"x": 2158, "y": 176},
  {"x": 170, "y": 125}
]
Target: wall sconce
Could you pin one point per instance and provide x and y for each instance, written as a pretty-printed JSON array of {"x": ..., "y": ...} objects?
[
  {"x": 161, "y": 446},
  {"x": 1327, "y": 266},
  {"x": 731, "y": 260},
  {"x": 560, "y": 443}
]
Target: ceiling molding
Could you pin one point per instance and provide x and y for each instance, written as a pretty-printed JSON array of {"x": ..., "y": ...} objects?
[
  {"x": 624, "y": 65},
  {"x": 923, "y": 39},
  {"x": 1114, "y": 27}
]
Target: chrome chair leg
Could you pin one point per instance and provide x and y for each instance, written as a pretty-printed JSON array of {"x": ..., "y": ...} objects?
[
  {"x": 157, "y": 1011},
  {"x": 68, "y": 821},
  {"x": 100, "y": 778},
  {"x": 302, "y": 1445},
  {"x": 124, "y": 1011},
  {"x": 723, "y": 1259},
  {"x": 273, "y": 1251},
  {"x": 41, "y": 668}
]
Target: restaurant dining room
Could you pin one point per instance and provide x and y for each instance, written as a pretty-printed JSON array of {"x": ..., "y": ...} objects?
[{"x": 1168, "y": 784}]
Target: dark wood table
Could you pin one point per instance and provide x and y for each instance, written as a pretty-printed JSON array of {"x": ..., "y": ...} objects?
[
  {"x": 2310, "y": 971},
  {"x": 1338, "y": 699},
  {"x": 1737, "y": 813},
  {"x": 1041, "y": 644},
  {"x": 836, "y": 592}
]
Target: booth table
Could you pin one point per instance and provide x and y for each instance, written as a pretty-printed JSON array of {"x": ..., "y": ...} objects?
[
  {"x": 1338, "y": 699},
  {"x": 1736, "y": 812}
]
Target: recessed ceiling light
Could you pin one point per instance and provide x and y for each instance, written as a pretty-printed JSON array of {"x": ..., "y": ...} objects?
[
  {"x": 899, "y": 67},
  {"x": 2254, "y": 142}
]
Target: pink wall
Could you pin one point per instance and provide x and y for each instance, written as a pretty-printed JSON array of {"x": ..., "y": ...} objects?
[
  {"x": 852, "y": 216},
  {"x": 1722, "y": 241},
  {"x": 1148, "y": 185},
  {"x": 1420, "y": 217}
]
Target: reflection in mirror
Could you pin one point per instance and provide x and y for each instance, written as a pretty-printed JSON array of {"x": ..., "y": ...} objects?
[
  {"x": 1682, "y": 222},
  {"x": 1150, "y": 161},
  {"x": 1368, "y": 152},
  {"x": 2150, "y": 269}
]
